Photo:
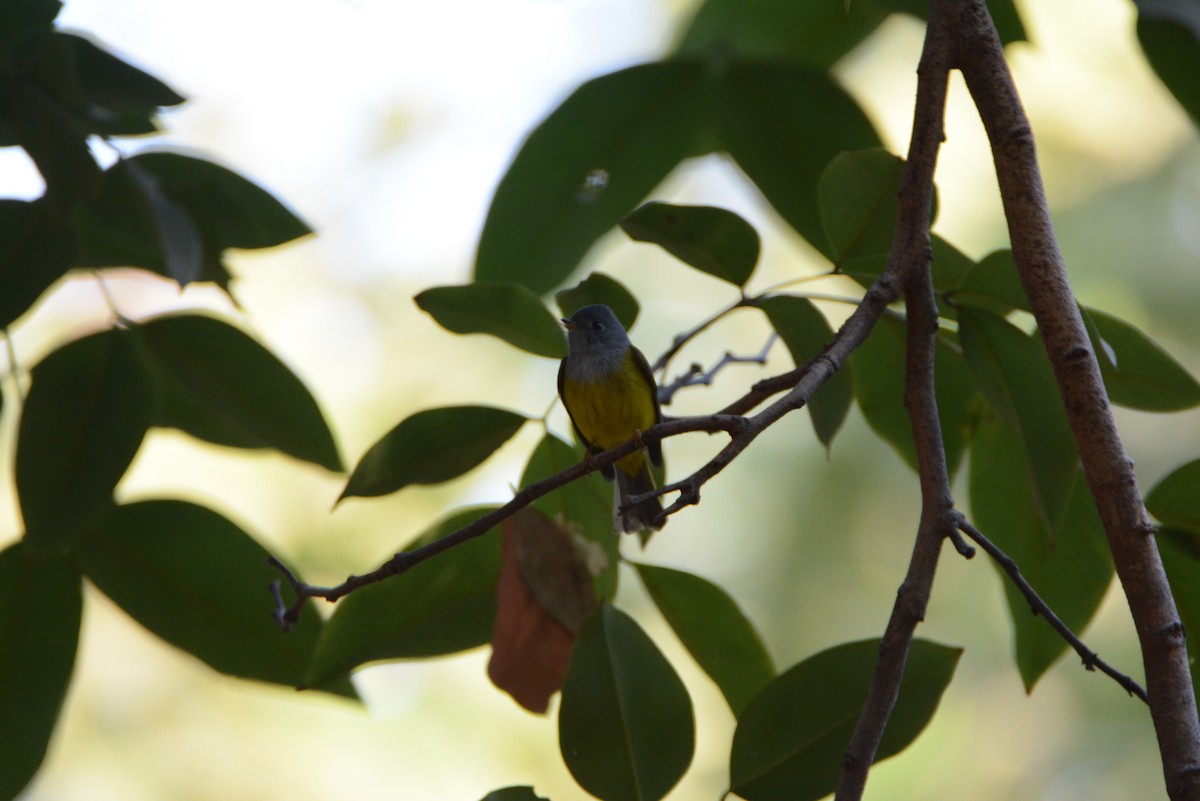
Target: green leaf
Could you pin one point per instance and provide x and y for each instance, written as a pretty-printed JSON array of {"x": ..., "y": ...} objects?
[
  {"x": 523, "y": 793},
  {"x": 441, "y": 606},
  {"x": 859, "y": 204},
  {"x": 994, "y": 284},
  {"x": 1014, "y": 374},
  {"x": 714, "y": 630},
  {"x": 791, "y": 739},
  {"x": 198, "y": 581},
  {"x": 83, "y": 421},
  {"x": 507, "y": 311},
  {"x": 713, "y": 240},
  {"x": 176, "y": 215},
  {"x": 1175, "y": 500},
  {"x": 806, "y": 332},
  {"x": 625, "y": 726},
  {"x": 1169, "y": 33},
  {"x": 35, "y": 251},
  {"x": 1069, "y": 566},
  {"x": 121, "y": 100},
  {"x": 218, "y": 384},
  {"x": 584, "y": 505},
  {"x": 40, "y": 609},
  {"x": 1180, "y": 551},
  {"x": 879, "y": 370},
  {"x": 816, "y": 33},
  {"x": 430, "y": 447},
  {"x": 1137, "y": 371},
  {"x": 783, "y": 123},
  {"x": 599, "y": 288},
  {"x": 586, "y": 165}
]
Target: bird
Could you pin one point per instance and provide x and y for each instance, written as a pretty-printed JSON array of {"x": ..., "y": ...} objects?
[{"x": 610, "y": 394}]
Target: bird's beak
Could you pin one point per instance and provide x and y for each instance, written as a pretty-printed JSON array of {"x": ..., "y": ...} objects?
[{"x": 570, "y": 326}]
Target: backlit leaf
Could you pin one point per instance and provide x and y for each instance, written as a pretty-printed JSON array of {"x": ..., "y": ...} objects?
[
  {"x": 1175, "y": 499},
  {"x": 1180, "y": 551},
  {"x": 1169, "y": 33},
  {"x": 859, "y": 204},
  {"x": 1137, "y": 371},
  {"x": 507, "y": 311},
  {"x": 35, "y": 251},
  {"x": 599, "y": 288},
  {"x": 713, "y": 240}
]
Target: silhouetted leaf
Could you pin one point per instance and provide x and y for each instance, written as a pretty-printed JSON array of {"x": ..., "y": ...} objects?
[
  {"x": 806, "y": 332},
  {"x": 1011, "y": 369},
  {"x": 1137, "y": 372},
  {"x": 84, "y": 420},
  {"x": 599, "y": 288},
  {"x": 432, "y": 446},
  {"x": 440, "y": 606},
  {"x": 218, "y": 384},
  {"x": 199, "y": 582},
  {"x": 879, "y": 369},
  {"x": 713, "y": 240},
  {"x": 714, "y": 630},
  {"x": 1175, "y": 499},
  {"x": 21, "y": 20},
  {"x": 40, "y": 606},
  {"x": 35, "y": 251},
  {"x": 1069, "y": 566},
  {"x": 625, "y": 726},
  {"x": 586, "y": 165},
  {"x": 121, "y": 100},
  {"x": 507, "y": 311},
  {"x": 791, "y": 739},
  {"x": 524, "y": 793},
  {"x": 1170, "y": 36}
]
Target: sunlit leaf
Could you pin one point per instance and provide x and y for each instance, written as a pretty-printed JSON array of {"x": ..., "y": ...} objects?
[
  {"x": 879, "y": 370},
  {"x": 507, "y": 311},
  {"x": 1137, "y": 371},
  {"x": 586, "y": 165},
  {"x": 1175, "y": 500},
  {"x": 218, "y": 384},
  {"x": 713, "y": 240},
  {"x": 40, "y": 610},
  {"x": 599, "y": 288},
  {"x": 84, "y": 419},
  {"x": 198, "y": 581},
  {"x": 806, "y": 332},
  {"x": 432, "y": 446},
  {"x": 1011, "y": 369},
  {"x": 791, "y": 739},
  {"x": 714, "y": 630},
  {"x": 441, "y": 606},
  {"x": 625, "y": 726},
  {"x": 1068, "y": 566}
]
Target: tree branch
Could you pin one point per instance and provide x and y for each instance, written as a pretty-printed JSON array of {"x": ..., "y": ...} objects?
[{"x": 1107, "y": 468}]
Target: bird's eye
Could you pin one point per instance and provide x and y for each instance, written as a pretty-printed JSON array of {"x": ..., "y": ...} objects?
[{"x": 597, "y": 325}]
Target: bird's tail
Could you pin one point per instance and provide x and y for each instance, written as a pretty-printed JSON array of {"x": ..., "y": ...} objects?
[{"x": 642, "y": 515}]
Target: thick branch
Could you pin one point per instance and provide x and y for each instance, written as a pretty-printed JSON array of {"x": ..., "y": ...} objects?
[{"x": 1106, "y": 466}]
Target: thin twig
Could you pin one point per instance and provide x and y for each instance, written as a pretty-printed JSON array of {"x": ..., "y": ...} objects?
[
  {"x": 698, "y": 376},
  {"x": 661, "y": 363},
  {"x": 1091, "y": 660}
]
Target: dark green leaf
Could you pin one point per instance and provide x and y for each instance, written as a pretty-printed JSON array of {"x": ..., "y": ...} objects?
[
  {"x": 1181, "y": 559},
  {"x": 85, "y": 417},
  {"x": 815, "y": 32},
  {"x": 879, "y": 367},
  {"x": 21, "y": 20},
  {"x": 40, "y": 606},
  {"x": 432, "y": 446},
  {"x": 993, "y": 284},
  {"x": 507, "y": 311},
  {"x": 1175, "y": 500},
  {"x": 783, "y": 123},
  {"x": 218, "y": 384},
  {"x": 858, "y": 197},
  {"x": 1014, "y": 374},
  {"x": 443, "y": 605},
  {"x": 121, "y": 99},
  {"x": 1137, "y": 372},
  {"x": 599, "y": 288},
  {"x": 199, "y": 582},
  {"x": 790, "y": 740},
  {"x": 35, "y": 251},
  {"x": 714, "y": 630},
  {"x": 713, "y": 240},
  {"x": 625, "y": 726},
  {"x": 584, "y": 505},
  {"x": 524, "y": 793},
  {"x": 806, "y": 332},
  {"x": 1170, "y": 36},
  {"x": 1069, "y": 567},
  {"x": 586, "y": 165}
]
